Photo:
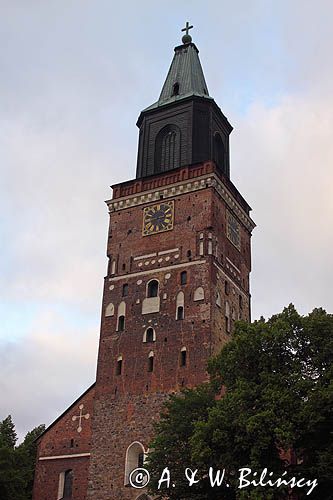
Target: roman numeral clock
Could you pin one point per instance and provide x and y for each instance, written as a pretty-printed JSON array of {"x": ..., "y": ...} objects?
[{"x": 158, "y": 218}]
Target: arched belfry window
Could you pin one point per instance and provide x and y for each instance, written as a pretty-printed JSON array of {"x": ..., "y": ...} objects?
[
  {"x": 167, "y": 149},
  {"x": 152, "y": 289},
  {"x": 219, "y": 153}
]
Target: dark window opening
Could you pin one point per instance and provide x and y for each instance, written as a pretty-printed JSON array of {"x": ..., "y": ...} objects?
[
  {"x": 124, "y": 267},
  {"x": 119, "y": 366},
  {"x": 240, "y": 300},
  {"x": 180, "y": 312},
  {"x": 152, "y": 289},
  {"x": 227, "y": 324},
  {"x": 72, "y": 443},
  {"x": 226, "y": 287},
  {"x": 151, "y": 363},
  {"x": 189, "y": 254},
  {"x": 183, "y": 278},
  {"x": 167, "y": 149},
  {"x": 68, "y": 485},
  {"x": 140, "y": 460},
  {"x": 183, "y": 358},
  {"x": 175, "y": 89},
  {"x": 125, "y": 290},
  {"x": 150, "y": 335},
  {"x": 121, "y": 323},
  {"x": 219, "y": 152}
]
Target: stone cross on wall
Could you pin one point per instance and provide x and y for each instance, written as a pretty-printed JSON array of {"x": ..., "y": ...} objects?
[{"x": 80, "y": 417}]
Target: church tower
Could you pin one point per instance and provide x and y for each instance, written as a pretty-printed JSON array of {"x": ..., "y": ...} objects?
[{"x": 178, "y": 273}]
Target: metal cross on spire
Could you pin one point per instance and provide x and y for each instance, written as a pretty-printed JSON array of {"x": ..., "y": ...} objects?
[
  {"x": 187, "y": 27},
  {"x": 187, "y": 37}
]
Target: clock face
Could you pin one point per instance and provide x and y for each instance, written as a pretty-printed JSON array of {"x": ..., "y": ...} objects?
[
  {"x": 233, "y": 230},
  {"x": 158, "y": 218}
]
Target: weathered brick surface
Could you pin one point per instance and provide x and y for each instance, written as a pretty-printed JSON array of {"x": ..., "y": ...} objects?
[
  {"x": 127, "y": 419},
  {"x": 127, "y": 404},
  {"x": 61, "y": 439}
]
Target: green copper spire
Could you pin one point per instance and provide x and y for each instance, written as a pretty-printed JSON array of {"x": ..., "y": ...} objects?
[{"x": 185, "y": 77}]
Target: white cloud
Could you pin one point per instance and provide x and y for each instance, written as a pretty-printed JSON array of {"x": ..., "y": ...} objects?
[
  {"x": 283, "y": 157},
  {"x": 46, "y": 371}
]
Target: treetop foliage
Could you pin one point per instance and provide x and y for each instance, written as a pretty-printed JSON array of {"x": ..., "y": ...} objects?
[{"x": 276, "y": 411}]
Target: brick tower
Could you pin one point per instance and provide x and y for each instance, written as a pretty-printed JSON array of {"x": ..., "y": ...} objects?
[{"x": 178, "y": 273}]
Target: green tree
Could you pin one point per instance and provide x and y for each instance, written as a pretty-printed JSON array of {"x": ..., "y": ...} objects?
[
  {"x": 17, "y": 464},
  {"x": 276, "y": 413},
  {"x": 8, "y": 435},
  {"x": 28, "y": 451}
]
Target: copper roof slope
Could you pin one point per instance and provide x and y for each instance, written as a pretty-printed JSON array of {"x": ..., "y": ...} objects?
[{"x": 185, "y": 77}]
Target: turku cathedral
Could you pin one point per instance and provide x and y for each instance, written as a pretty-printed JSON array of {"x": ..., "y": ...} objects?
[{"x": 179, "y": 261}]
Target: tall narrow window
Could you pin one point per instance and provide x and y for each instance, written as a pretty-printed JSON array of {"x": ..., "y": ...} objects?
[
  {"x": 152, "y": 289},
  {"x": 180, "y": 312},
  {"x": 219, "y": 152},
  {"x": 119, "y": 365},
  {"x": 121, "y": 317},
  {"x": 121, "y": 323},
  {"x": 167, "y": 149},
  {"x": 183, "y": 357},
  {"x": 183, "y": 278},
  {"x": 151, "y": 362},
  {"x": 125, "y": 290},
  {"x": 227, "y": 317},
  {"x": 180, "y": 305},
  {"x": 135, "y": 456},
  {"x": 150, "y": 335},
  {"x": 240, "y": 300},
  {"x": 226, "y": 287},
  {"x": 68, "y": 485}
]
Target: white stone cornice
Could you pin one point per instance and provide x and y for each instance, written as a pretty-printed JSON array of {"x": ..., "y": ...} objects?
[
  {"x": 178, "y": 188},
  {"x": 57, "y": 457}
]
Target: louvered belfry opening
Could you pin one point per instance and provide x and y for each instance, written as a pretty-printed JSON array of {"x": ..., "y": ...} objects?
[{"x": 167, "y": 149}]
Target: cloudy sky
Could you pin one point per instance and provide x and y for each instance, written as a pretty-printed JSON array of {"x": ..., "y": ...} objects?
[{"x": 74, "y": 76}]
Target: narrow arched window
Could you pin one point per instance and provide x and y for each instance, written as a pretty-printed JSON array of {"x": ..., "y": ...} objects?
[
  {"x": 167, "y": 149},
  {"x": 226, "y": 287},
  {"x": 219, "y": 152},
  {"x": 121, "y": 323},
  {"x": 180, "y": 312},
  {"x": 152, "y": 289},
  {"x": 183, "y": 357},
  {"x": 183, "y": 278},
  {"x": 68, "y": 485},
  {"x": 121, "y": 317},
  {"x": 180, "y": 305},
  {"x": 135, "y": 456},
  {"x": 151, "y": 362},
  {"x": 150, "y": 335},
  {"x": 119, "y": 365},
  {"x": 125, "y": 290},
  {"x": 175, "y": 89},
  {"x": 227, "y": 317}
]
